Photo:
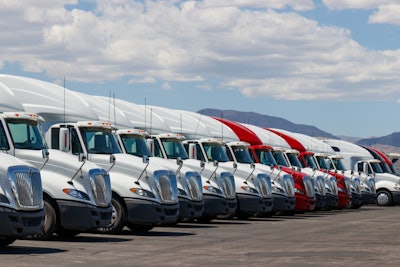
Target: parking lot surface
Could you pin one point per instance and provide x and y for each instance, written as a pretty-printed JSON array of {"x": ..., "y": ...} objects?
[{"x": 368, "y": 236}]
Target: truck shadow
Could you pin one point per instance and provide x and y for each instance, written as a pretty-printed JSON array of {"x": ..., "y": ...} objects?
[{"x": 26, "y": 250}]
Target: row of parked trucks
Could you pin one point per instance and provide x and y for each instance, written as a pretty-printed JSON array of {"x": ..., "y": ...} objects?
[{"x": 103, "y": 164}]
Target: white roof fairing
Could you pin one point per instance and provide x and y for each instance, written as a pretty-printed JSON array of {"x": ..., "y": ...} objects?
[
  {"x": 53, "y": 102},
  {"x": 267, "y": 137}
]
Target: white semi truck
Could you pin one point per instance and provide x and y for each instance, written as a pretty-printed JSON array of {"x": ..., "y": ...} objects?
[
  {"x": 21, "y": 198},
  {"x": 359, "y": 160},
  {"x": 72, "y": 188},
  {"x": 144, "y": 195},
  {"x": 190, "y": 194}
]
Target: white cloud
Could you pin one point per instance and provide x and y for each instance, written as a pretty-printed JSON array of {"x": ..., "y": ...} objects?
[
  {"x": 356, "y": 4},
  {"x": 166, "y": 86},
  {"x": 257, "y": 51},
  {"x": 386, "y": 14}
]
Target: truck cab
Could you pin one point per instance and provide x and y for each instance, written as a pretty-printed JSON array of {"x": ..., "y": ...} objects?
[
  {"x": 218, "y": 185},
  {"x": 144, "y": 195},
  {"x": 190, "y": 194},
  {"x": 359, "y": 160},
  {"x": 72, "y": 187}
]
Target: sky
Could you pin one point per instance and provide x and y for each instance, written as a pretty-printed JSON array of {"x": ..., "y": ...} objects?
[{"x": 333, "y": 64}]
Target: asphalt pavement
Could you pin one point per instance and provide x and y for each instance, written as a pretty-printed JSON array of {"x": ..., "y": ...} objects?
[{"x": 368, "y": 236}]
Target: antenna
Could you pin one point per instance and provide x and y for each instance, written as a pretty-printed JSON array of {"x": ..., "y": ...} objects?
[
  {"x": 109, "y": 106},
  {"x": 145, "y": 112},
  {"x": 64, "y": 101},
  {"x": 151, "y": 119},
  {"x": 222, "y": 127},
  {"x": 115, "y": 114}
]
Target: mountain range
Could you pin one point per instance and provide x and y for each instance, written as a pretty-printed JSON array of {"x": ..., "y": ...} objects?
[{"x": 389, "y": 143}]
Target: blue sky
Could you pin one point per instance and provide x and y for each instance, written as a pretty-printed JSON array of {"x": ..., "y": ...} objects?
[{"x": 334, "y": 64}]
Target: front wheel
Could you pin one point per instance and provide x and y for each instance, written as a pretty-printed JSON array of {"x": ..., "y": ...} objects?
[
  {"x": 5, "y": 241},
  {"x": 118, "y": 217},
  {"x": 384, "y": 198},
  {"x": 50, "y": 220}
]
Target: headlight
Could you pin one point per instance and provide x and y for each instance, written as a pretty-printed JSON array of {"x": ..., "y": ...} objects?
[
  {"x": 298, "y": 191},
  {"x": 4, "y": 199},
  {"x": 249, "y": 189},
  {"x": 141, "y": 192},
  {"x": 277, "y": 190},
  {"x": 76, "y": 194},
  {"x": 212, "y": 189},
  {"x": 181, "y": 192},
  {"x": 341, "y": 189}
]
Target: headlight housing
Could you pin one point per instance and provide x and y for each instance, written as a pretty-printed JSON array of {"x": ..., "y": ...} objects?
[
  {"x": 142, "y": 192},
  {"x": 212, "y": 189},
  {"x": 76, "y": 194}
]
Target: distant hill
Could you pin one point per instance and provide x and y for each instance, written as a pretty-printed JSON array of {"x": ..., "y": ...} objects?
[
  {"x": 388, "y": 143},
  {"x": 266, "y": 121}
]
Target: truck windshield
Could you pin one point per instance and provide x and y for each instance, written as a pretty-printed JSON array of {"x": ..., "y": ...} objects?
[
  {"x": 135, "y": 145},
  {"x": 215, "y": 152},
  {"x": 280, "y": 158},
  {"x": 294, "y": 161},
  {"x": 26, "y": 134},
  {"x": 99, "y": 140},
  {"x": 322, "y": 162},
  {"x": 337, "y": 164},
  {"x": 376, "y": 167},
  {"x": 265, "y": 157},
  {"x": 174, "y": 148},
  {"x": 310, "y": 162},
  {"x": 241, "y": 154}
]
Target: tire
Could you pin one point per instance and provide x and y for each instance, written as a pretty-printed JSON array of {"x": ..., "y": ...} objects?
[
  {"x": 139, "y": 228},
  {"x": 384, "y": 198},
  {"x": 118, "y": 218},
  {"x": 5, "y": 241},
  {"x": 50, "y": 221}
]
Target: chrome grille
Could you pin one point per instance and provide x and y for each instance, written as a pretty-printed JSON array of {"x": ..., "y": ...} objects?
[
  {"x": 228, "y": 185},
  {"x": 333, "y": 185},
  {"x": 194, "y": 185},
  {"x": 348, "y": 185},
  {"x": 289, "y": 185},
  {"x": 357, "y": 185},
  {"x": 264, "y": 183},
  {"x": 26, "y": 184},
  {"x": 371, "y": 183},
  {"x": 167, "y": 186},
  {"x": 321, "y": 185},
  {"x": 309, "y": 186},
  {"x": 101, "y": 187}
]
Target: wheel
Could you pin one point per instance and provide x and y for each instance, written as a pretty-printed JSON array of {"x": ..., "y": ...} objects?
[
  {"x": 118, "y": 217},
  {"x": 50, "y": 220},
  {"x": 5, "y": 241},
  {"x": 139, "y": 228},
  {"x": 384, "y": 198}
]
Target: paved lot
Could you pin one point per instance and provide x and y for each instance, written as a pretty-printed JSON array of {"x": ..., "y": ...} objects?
[{"x": 369, "y": 236}]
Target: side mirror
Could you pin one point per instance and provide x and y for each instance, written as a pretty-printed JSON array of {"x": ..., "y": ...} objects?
[
  {"x": 150, "y": 145},
  {"x": 45, "y": 154},
  {"x": 192, "y": 151},
  {"x": 64, "y": 139},
  {"x": 179, "y": 161},
  {"x": 112, "y": 159},
  {"x": 145, "y": 159},
  {"x": 82, "y": 157}
]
